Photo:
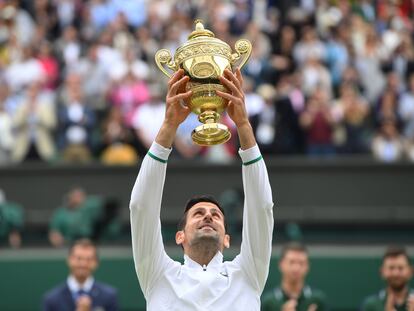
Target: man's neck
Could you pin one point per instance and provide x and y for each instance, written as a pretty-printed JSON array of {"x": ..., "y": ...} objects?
[
  {"x": 292, "y": 289},
  {"x": 400, "y": 296},
  {"x": 202, "y": 256}
]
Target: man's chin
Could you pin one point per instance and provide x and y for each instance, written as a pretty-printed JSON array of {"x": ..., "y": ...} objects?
[{"x": 397, "y": 286}]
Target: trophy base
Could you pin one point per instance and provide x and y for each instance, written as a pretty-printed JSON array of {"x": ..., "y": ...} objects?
[{"x": 210, "y": 134}]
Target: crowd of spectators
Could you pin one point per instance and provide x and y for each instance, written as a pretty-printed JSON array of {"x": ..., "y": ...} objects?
[{"x": 78, "y": 80}]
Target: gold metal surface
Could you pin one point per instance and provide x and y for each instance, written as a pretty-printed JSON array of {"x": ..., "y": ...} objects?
[{"x": 204, "y": 58}]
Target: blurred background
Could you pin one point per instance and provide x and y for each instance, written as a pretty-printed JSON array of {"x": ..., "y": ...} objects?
[{"x": 329, "y": 91}]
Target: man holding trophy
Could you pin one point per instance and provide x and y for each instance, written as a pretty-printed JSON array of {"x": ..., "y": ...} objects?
[{"x": 204, "y": 281}]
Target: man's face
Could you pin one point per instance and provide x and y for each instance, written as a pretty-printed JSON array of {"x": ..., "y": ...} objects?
[
  {"x": 294, "y": 266},
  {"x": 205, "y": 222},
  {"x": 397, "y": 272},
  {"x": 82, "y": 262}
]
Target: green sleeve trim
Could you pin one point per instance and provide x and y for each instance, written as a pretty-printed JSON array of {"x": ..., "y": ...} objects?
[
  {"x": 253, "y": 161},
  {"x": 156, "y": 158}
]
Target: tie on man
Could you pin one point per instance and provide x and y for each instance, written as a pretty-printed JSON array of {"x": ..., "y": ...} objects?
[{"x": 81, "y": 293}]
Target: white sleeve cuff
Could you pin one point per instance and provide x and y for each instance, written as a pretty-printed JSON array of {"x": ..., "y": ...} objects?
[
  {"x": 250, "y": 155},
  {"x": 157, "y": 151}
]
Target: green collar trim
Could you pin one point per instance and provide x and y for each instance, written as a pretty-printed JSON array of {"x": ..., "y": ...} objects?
[{"x": 156, "y": 158}]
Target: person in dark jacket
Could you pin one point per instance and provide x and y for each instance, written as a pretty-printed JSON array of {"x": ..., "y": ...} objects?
[{"x": 81, "y": 292}]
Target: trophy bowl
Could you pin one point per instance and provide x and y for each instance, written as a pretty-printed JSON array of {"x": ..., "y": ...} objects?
[{"x": 204, "y": 59}]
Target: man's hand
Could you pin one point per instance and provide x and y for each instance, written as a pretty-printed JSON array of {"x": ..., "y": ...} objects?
[
  {"x": 410, "y": 303},
  {"x": 175, "y": 112},
  {"x": 390, "y": 303},
  {"x": 236, "y": 108},
  {"x": 84, "y": 303},
  {"x": 290, "y": 305}
]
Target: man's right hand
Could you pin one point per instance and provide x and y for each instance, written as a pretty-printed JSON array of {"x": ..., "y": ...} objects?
[
  {"x": 290, "y": 305},
  {"x": 390, "y": 303},
  {"x": 84, "y": 303},
  {"x": 175, "y": 112}
]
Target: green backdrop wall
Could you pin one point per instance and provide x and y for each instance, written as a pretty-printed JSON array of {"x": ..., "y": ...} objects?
[{"x": 24, "y": 280}]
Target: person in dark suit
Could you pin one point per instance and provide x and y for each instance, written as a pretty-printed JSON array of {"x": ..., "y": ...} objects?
[{"x": 81, "y": 292}]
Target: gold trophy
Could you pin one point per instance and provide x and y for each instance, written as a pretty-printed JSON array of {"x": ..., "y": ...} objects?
[{"x": 204, "y": 58}]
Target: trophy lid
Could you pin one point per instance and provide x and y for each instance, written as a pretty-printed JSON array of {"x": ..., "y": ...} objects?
[{"x": 200, "y": 31}]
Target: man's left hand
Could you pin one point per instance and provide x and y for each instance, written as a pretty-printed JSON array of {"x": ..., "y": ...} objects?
[{"x": 236, "y": 108}]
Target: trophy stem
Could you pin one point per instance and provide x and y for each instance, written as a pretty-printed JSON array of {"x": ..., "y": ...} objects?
[
  {"x": 210, "y": 132},
  {"x": 208, "y": 116}
]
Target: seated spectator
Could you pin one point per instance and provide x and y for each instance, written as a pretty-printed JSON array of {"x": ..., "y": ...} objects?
[
  {"x": 80, "y": 291},
  {"x": 11, "y": 221},
  {"x": 95, "y": 78},
  {"x": 33, "y": 125},
  {"x": 80, "y": 216},
  {"x": 48, "y": 64},
  {"x": 293, "y": 292},
  {"x": 387, "y": 146},
  {"x": 147, "y": 118},
  {"x": 6, "y": 135},
  {"x": 117, "y": 140},
  {"x": 387, "y": 108},
  {"x": 129, "y": 93},
  {"x": 318, "y": 122},
  {"x": 397, "y": 271},
  {"x": 276, "y": 126},
  {"x": 406, "y": 108},
  {"x": 76, "y": 124},
  {"x": 351, "y": 114}
]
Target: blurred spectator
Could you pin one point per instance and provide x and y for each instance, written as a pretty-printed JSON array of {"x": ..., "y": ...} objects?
[
  {"x": 387, "y": 145},
  {"x": 283, "y": 44},
  {"x": 406, "y": 109},
  {"x": 6, "y": 135},
  {"x": 33, "y": 126},
  {"x": 117, "y": 140},
  {"x": 337, "y": 56},
  {"x": 254, "y": 102},
  {"x": 293, "y": 293},
  {"x": 76, "y": 124},
  {"x": 68, "y": 46},
  {"x": 351, "y": 113},
  {"x": 369, "y": 57},
  {"x": 128, "y": 93},
  {"x": 183, "y": 143},
  {"x": 11, "y": 221},
  {"x": 80, "y": 216},
  {"x": 315, "y": 76},
  {"x": 387, "y": 108},
  {"x": 276, "y": 126},
  {"x": 49, "y": 65},
  {"x": 397, "y": 271},
  {"x": 17, "y": 22},
  {"x": 147, "y": 118},
  {"x": 80, "y": 291},
  {"x": 309, "y": 47},
  {"x": 24, "y": 71},
  {"x": 318, "y": 122},
  {"x": 95, "y": 77}
]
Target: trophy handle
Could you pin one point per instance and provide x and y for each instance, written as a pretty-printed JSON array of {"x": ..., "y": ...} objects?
[
  {"x": 162, "y": 57},
  {"x": 243, "y": 48}
]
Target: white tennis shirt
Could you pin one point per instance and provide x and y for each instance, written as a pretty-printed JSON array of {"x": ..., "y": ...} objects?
[{"x": 231, "y": 285}]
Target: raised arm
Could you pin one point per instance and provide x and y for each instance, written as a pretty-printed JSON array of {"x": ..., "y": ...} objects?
[
  {"x": 148, "y": 249},
  {"x": 258, "y": 204}
]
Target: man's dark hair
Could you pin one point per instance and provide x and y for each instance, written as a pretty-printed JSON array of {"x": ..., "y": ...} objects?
[
  {"x": 193, "y": 201},
  {"x": 293, "y": 246},
  {"x": 396, "y": 251},
  {"x": 83, "y": 243}
]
